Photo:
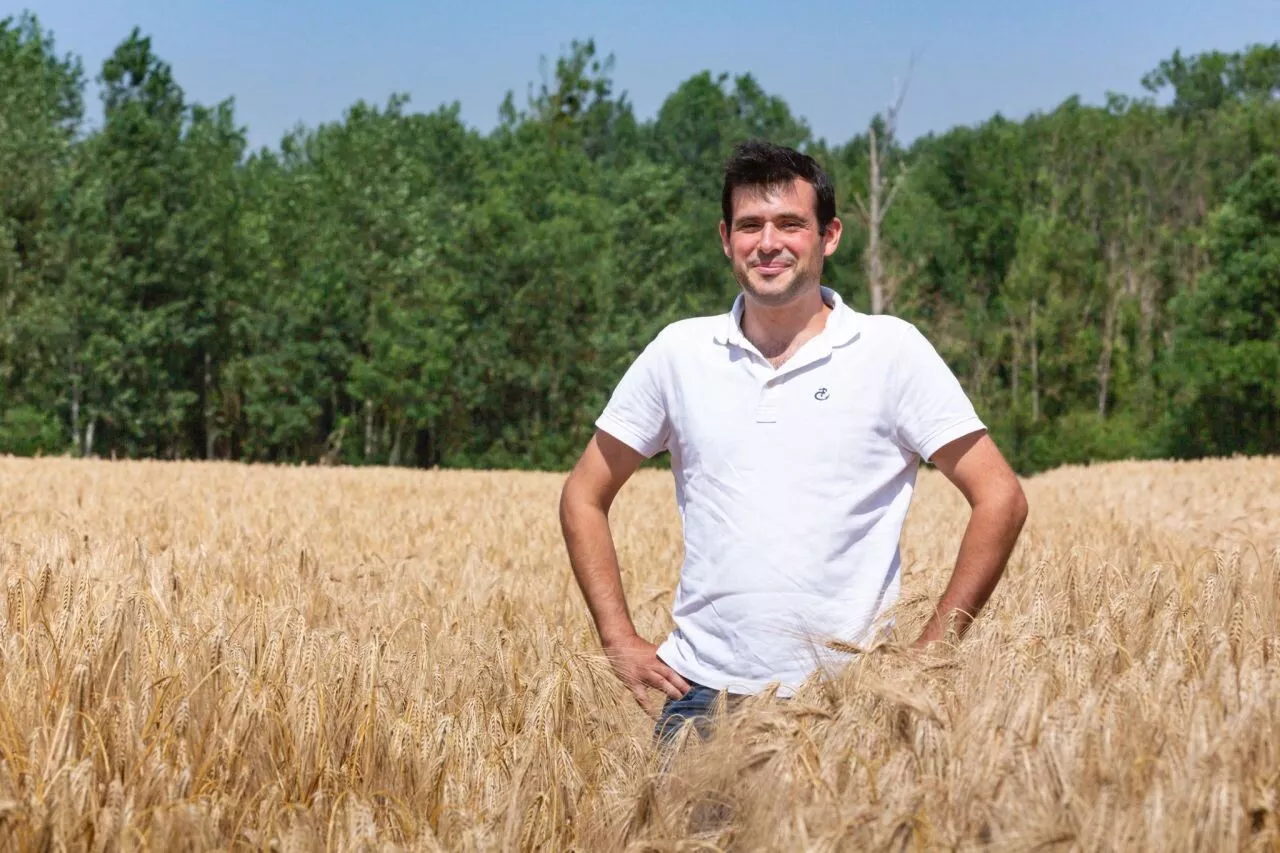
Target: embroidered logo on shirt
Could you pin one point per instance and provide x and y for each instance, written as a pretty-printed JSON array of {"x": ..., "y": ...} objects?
[{"x": 820, "y": 394}]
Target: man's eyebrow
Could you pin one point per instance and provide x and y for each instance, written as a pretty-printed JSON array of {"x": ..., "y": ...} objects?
[{"x": 789, "y": 215}]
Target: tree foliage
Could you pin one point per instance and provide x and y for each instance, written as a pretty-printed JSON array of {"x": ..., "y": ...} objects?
[
  {"x": 396, "y": 288},
  {"x": 1228, "y": 364}
]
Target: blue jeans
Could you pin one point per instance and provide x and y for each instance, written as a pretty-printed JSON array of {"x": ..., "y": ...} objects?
[{"x": 696, "y": 706}]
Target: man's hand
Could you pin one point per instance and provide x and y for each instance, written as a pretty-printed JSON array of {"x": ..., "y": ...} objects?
[
  {"x": 588, "y": 493},
  {"x": 636, "y": 663}
]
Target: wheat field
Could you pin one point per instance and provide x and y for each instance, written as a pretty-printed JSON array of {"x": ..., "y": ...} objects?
[{"x": 216, "y": 656}]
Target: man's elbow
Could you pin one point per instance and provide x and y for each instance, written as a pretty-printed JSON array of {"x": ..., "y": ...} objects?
[
  {"x": 1016, "y": 506},
  {"x": 568, "y": 499},
  {"x": 1008, "y": 501},
  {"x": 576, "y": 497}
]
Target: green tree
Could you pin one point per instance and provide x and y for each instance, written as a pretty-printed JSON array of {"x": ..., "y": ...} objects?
[
  {"x": 1207, "y": 82},
  {"x": 209, "y": 229},
  {"x": 1227, "y": 359},
  {"x": 41, "y": 107},
  {"x": 395, "y": 288},
  {"x": 131, "y": 299}
]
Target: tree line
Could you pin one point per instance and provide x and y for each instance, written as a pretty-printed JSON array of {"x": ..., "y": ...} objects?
[{"x": 397, "y": 288}]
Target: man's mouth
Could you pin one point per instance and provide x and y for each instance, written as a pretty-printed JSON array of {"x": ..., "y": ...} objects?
[{"x": 772, "y": 268}]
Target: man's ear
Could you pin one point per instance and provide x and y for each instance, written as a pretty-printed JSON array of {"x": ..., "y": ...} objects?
[
  {"x": 724, "y": 239},
  {"x": 831, "y": 239}
]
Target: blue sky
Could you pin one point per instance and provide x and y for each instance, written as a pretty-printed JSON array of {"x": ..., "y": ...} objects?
[{"x": 288, "y": 62}]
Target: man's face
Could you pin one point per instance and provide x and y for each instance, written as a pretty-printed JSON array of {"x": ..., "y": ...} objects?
[{"x": 774, "y": 244}]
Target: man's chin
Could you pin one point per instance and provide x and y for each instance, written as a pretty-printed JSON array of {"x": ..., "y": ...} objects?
[{"x": 773, "y": 293}]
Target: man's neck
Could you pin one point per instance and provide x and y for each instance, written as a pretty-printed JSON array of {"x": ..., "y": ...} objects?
[{"x": 778, "y": 331}]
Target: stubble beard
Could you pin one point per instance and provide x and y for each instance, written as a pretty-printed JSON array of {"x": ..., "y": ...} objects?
[{"x": 802, "y": 278}]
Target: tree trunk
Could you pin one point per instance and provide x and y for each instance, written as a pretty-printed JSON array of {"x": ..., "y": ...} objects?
[
  {"x": 879, "y": 199},
  {"x": 1015, "y": 383},
  {"x": 1108, "y": 345},
  {"x": 978, "y": 376},
  {"x": 208, "y": 406},
  {"x": 76, "y": 435},
  {"x": 395, "y": 443},
  {"x": 875, "y": 267},
  {"x": 1035, "y": 366},
  {"x": 368, "y": 429},
  {"x": 424, "y": 448},
  {"x": 1146, "y": 326}
]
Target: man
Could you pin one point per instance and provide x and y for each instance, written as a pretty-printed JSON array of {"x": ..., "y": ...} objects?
[{"x": 795, "y": 427}]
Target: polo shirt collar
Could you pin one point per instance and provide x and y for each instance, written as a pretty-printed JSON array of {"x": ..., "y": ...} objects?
[{"x": 841, "y": 328}]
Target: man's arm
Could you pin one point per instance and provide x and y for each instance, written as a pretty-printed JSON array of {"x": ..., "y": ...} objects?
[
  {"x": 999, "y": 509},
  {"x": 588, "y": 493}
]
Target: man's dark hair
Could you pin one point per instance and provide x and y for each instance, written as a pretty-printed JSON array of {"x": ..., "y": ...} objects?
[{"x": 757, "y": 163}]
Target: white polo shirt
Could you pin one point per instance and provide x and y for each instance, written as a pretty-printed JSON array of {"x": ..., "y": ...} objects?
[{"x": 792, "y": 484}]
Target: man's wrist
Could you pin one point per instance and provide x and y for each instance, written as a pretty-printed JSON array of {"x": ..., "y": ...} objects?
[
  {"x": 618, "y": 636},
  {"x": 927, "y": 636}
]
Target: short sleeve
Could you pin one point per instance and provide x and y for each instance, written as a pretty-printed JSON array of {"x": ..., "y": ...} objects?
[
  {"x": 932, "y": 409},
  {"x": 636, "y": 413}
]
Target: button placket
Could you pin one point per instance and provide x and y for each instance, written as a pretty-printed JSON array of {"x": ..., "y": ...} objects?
[{"x": 767, "y": 410}]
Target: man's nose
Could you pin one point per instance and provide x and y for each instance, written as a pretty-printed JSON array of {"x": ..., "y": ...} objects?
[{"x": 769, "y": 239}]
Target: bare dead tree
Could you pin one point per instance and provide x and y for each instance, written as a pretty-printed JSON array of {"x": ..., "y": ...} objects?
[{"x": 882, "y": 190}]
